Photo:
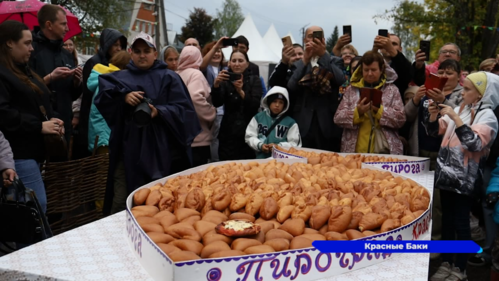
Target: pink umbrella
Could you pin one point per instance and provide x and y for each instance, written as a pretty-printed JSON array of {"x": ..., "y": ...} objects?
[{"x": 26, "y": 12}]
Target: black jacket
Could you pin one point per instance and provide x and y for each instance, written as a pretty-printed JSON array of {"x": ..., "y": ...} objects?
[
  {"x": 237, "y": 115},
  {"x": 47, "y": 56},
  {"x": 281, "y": 74},
  {"x": 306, "y": 103},
  {"x": 404, "y": 71},
  {"x": 20, "y": 115},
  {"x": 108, "y": 37}
]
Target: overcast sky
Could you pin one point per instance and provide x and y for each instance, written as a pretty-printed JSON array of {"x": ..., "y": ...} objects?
[{"x": 291, "y": 16}]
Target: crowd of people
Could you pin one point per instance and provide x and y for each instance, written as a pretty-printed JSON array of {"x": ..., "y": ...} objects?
[{"x": 158, "y": 112}]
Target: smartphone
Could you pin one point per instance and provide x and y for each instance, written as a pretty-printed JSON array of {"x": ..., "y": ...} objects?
[
  {"x": 318, "y": 34},
  {"x": 286, "y": 41},
  {"x": 347, "y": 29},
  {"x": 383, "y": 32},
  {"x": 234, "y": 76},
  {"x": 424, "y": 46},
  {"x": 230, "y": 42}
]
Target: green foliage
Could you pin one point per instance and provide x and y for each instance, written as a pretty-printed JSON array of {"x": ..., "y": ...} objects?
[
  {"x": 333, "y": 38},
  {"x": 441, "y": 21},
  {"x": 199, "y": 26},
  {"x": 228, "y": 19}
]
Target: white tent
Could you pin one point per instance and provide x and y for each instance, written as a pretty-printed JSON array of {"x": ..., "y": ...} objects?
[
  {"x": 273, "y": 41},
  {"x": 259, "y": 53}
]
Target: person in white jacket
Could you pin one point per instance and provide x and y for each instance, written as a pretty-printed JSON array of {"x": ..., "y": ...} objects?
[
  {"x": 272, "y": 126},
  {"x": 7, "y": 167}
]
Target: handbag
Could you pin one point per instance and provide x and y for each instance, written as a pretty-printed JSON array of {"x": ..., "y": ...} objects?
[
  {"x": 381, "y": 145},
  {"x": 56, "y": 147},
  {"x": 21, "y": 217}
]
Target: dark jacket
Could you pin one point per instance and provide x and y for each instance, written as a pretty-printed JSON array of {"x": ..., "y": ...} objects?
[
  {"x": 148, "y": 152},
  {"x": 255, "y": 70},
  {"x": 237, "y": 115},
  {"x": 281, "y": 74},
  {"x": 306, "y": 103},
  {"x": 404, "y": 71},
  {"x": 108, "y": 37},
  {"x": 20, "y": 115},
  {"x": 47, "y": 56}
]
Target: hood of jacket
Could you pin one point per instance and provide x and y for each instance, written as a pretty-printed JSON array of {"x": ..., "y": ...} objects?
[
  {"x": 358, "y": 81},
  {"x": 107, "y": 39},
  {"x": 275, "y": 91},
  {"x": 490, "y": 97},
  {"x": 190, "y": 58},
  {"x": 161, "y": 54}
]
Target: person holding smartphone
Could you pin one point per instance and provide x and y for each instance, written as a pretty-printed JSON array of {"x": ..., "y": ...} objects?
[
  {"x": 468, "y": 133},
  {"x": 284, "y": 70},
  {"x": 239, "y": 91},
  {"x": 313, "y": 105}
]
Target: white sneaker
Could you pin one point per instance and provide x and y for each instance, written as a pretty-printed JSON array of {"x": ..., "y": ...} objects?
[
  {"x": 477, "y": 234},
  {"x": 443, "y": 272},
  {"x": 456, "y": 275}
]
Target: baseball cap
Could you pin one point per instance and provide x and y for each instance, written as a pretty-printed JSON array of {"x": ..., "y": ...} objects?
[{"x": 146, "y": 37}]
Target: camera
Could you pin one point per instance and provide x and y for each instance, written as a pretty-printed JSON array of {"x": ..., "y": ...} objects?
[{"x": 142, "y": 113}]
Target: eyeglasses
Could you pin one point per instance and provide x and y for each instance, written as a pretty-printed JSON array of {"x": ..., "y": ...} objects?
[{"x": 452, "y": 52}]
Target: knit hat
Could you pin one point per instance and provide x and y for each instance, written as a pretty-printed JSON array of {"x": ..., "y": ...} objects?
[
  {"x": 272, "y": 98},
  {"x": 479, "y": 79}
]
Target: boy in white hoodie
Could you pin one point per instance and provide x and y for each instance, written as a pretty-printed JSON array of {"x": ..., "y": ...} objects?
[{"x": 271, "y": 126}]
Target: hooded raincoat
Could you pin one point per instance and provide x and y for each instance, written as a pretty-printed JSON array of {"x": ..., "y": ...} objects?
[
  {"x": 199, "y": 90},
  {"x": 286, "y": 133},
  {"x": 108, "y": 37},
  {"x": 464, "y": 150},
  {"x": 357, "y": 129},
  {"x": 159, "y": 148}
]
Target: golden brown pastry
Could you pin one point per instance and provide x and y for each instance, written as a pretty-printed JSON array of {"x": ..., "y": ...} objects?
[
  {"x": 340, "y": 218},
  {"x": 195, "y": 199},
  {"x": 152, "y": 227},
  {"x": 335, "y": 236},
  {"x": 238, "y": 202},
  {"x": 144, "y": 210},
  {"x": 241, "y": 244},
  {"x": 254, "y": 203},
  {"x": 310, "y": 231},
  {"x": 277, "y": 233},
  {"x": 294, "y": 227},
  {"x": 242, "y": 216},
  {"x": 203, "y": 227},
  {"x": 178, "y": 256},
  {"x": 188, "y": 245},
  {"x": 183, "y": 213},
  {"x": 140, "y": 196},
  {"x": 284, "y": 213},
  {"x": 300, "y": 243},
  {"x": 260, "y": 249},
  {"x": 353, "y": 234},
  {"x": 214, "y": 247},
  {"x": 320, "y": 216},
  {"x": 227, "y": 253},
  {"x": 183, "y": 231},
  {"x": 279, "y": 244},
  {"x": 269, "y": 208},
  {"x": 160, "y": 237},
  {"x": 167, "y": 248},
  {"x": 146, "y": 220},
  {"x": 390, "y": 224},
  {"x": 371, "y": 221},
  {"x": 221, "y": 199}
]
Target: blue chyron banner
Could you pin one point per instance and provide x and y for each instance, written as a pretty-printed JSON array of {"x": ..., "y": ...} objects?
[{"x": 416, "y": 246}]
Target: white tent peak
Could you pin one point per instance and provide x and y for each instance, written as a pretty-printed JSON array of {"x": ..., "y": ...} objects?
[
  {"x": 273, "y": 41},
  {"x": 258, "y": 50}
]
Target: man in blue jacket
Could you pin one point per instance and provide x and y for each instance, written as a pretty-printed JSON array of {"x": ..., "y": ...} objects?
[{"x": 160, "y": 144}]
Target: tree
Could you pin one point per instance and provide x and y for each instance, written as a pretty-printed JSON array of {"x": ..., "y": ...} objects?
[
  {"x": 331, "y": 41},
  {"x": 469, "y": 24},
  {"x": 228, "y": 19},
  {"x": 199, "y": 26}
]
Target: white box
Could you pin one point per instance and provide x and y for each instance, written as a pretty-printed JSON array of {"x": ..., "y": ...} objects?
[{"x": 303, "y": 264}]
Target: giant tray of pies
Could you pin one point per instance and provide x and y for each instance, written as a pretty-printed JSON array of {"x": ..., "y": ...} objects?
[{"x": 236, "y": 212}]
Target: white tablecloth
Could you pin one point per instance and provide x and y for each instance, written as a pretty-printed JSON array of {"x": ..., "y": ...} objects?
[{"x": 99, "y": 251}]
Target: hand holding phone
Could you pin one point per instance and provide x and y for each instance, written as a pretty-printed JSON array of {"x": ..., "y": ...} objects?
[
  {"x": 318, "y": 34},
  {"x": 230, "y": 42},
  {"x": 424, "y": 46},
  {"x": 286, "y": 41},
  {"x": 347, "y": 29},
  {"x": 234, "y": 76},
  {"x": 383, "y": 32}
]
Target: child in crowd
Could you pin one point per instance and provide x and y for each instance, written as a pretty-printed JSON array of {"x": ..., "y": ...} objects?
[
  {"x": 272, "y": 127},
  {"x": 469, "y": 131}
]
